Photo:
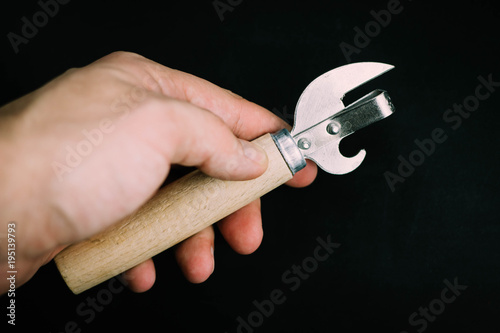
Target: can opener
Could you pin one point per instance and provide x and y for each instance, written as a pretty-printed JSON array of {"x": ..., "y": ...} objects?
[{"x": 195, "y": 201}]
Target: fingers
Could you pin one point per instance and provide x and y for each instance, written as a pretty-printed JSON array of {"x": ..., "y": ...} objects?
[
  {"x": 305, "y": 176},
  {"x": 195, "y": 256},
  {"x": 247, "y": 120},
  {"x": 141, "y": 277},
  {"x": 243, "y": 229}
]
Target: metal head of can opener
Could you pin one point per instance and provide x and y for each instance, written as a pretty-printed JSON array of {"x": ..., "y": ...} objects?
[{"x": 322, "y": 120}]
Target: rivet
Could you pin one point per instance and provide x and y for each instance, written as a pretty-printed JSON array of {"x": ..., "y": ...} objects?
[
  {"x": 333, "y": 128},
  {"x": 304, "y": 144}
]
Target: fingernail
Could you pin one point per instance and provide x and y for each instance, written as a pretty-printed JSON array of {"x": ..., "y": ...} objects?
[{"x": 254, "y": 152}]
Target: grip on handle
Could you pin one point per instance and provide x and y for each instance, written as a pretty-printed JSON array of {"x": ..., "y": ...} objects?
[{"x": 175, "y": 213}]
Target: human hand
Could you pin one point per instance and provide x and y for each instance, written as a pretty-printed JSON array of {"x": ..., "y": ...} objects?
[{"x": 93, "y": 145}]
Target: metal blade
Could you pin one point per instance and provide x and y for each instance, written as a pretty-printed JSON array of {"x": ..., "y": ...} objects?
[{"x": 323, "y": 97}]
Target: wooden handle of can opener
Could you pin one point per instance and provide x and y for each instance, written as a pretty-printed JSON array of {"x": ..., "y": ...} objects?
[{"x": 175, "y": 213}]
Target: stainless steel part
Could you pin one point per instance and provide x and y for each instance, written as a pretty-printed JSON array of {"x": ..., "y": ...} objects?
[
  {"x": 324, "y": 138},
  {"x": 322, "y": 120},
  {"x": 323, "y": 97},
  {"x": 289, "y": 150}
]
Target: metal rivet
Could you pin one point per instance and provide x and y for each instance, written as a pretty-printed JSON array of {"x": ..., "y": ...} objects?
[
  {"x": 304, "y": 143},
  {"x": 333, "y": 128}
]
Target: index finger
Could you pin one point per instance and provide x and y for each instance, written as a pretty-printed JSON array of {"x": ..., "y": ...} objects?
[{"x": 247, "y": 120}]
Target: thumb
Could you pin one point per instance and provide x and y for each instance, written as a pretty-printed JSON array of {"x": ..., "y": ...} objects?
[
  {"x": 244, "y": 161},
  {"x": 197, "y": 137}
]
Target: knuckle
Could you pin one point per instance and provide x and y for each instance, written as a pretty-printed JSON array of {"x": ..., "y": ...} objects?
[{"x": 123, "y": 56}]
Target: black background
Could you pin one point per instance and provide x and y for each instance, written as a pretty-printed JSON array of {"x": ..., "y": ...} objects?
[{"x": 396, "y": 248}]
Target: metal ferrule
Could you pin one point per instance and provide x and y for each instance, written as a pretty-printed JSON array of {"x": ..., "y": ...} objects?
[{"x": 289, "y": 150}]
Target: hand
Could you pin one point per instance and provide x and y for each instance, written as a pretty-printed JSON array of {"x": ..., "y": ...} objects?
[{"x": 94, "y": 144}]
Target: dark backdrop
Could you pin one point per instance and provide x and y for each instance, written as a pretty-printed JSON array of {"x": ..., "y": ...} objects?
[{"x": 402, "y": 258}]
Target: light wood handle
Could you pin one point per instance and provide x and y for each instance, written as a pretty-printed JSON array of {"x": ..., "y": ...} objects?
[{"x": 175, "y": 213}]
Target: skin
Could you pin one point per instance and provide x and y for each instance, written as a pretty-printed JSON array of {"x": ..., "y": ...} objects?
[{"x": 150, "y": 117}]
